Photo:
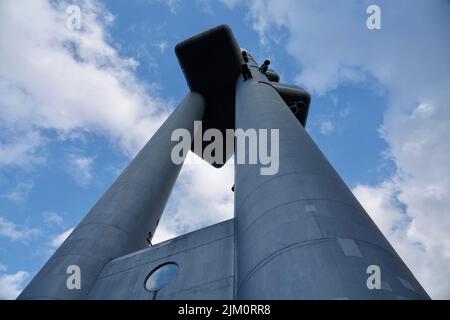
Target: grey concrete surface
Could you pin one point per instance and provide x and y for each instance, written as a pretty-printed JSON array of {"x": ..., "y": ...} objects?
[
  {"x": 205, "y": 260},
  {"x": 301, "y": 234}
]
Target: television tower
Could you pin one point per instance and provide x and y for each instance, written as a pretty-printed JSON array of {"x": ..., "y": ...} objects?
[{"x": 297, "y": 234}]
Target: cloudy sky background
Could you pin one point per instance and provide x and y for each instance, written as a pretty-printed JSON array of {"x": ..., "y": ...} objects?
[{"x": 76, "y": 105}]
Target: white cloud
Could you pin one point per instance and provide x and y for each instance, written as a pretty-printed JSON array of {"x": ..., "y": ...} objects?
[
  {"x": 80, "y": 168},
  {"x": 53, "y": 219},
  {"x": 407, "y": 60},
  {"x": 60, "y": 238},
  {"x": 429, "y": 259},
  {"x": 173, "y": 5},
  {"x": 3, "y": 268},
  {"x": 12, "y": 284},
  {"x": 20, "y": 192},
  {"x": 162, "y": 46},
  {"x": 163, "y": 233},
  {"x": 14, "y": 233},
  {"x": 203, "y": 196},
  {"x": 326, "y": 127},
  {"x": 67, "y": 81},
  {"x": 204, "y": 6},
  {"x": 20, "y": 148},
  {"x": 231, "y": 4}
]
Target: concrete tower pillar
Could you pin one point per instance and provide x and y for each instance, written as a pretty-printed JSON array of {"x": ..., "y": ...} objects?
[
  {"x": 124, "y": 217},
  {"x": 301, "y": 234}
]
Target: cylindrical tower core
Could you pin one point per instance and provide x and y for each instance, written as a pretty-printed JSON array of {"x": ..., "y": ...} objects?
[{"x": 301, "y": 233}]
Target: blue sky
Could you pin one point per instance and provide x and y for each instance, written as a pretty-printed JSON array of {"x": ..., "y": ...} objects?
[{"x": 78, "y": 104}]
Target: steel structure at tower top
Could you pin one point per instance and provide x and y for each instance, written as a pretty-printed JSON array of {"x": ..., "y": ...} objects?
[
  {"x": 211, "y": 63},
  {"x": 297, "y": 234}
]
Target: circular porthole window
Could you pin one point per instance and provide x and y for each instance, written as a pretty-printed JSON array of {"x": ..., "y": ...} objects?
[{"x": 161, "y": 276}]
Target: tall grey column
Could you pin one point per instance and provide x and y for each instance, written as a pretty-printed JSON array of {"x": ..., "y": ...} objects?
[
  {"x": 301, "y": 234},
  {"x": 124, "y": 217}
]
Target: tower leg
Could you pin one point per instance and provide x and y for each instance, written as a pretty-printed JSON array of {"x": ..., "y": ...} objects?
[
  {"x": 301, "y": 234},
  {"x": 125, "y": 216}
]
